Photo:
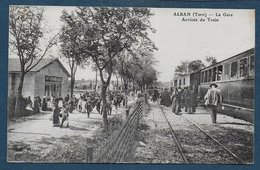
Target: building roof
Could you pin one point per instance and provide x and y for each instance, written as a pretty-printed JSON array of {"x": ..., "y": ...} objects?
[{"x": 14, "y": 65}]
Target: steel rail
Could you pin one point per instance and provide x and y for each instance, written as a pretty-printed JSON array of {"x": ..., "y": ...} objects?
[
  {"x": 215, "y": 140},
  {"x": 238, "y": 107},
  {"x": 174, "y": 136}
]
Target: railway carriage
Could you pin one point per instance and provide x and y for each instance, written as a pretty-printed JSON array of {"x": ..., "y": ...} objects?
[{"x": 234, "y": 77}]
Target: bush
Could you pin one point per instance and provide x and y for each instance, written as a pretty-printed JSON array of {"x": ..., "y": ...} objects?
[
  {"x": 11, "y": 106},
  {"x": 23, "y": 111}
]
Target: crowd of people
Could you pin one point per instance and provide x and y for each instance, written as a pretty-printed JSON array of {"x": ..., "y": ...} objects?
[
  {"x": 85, "y": 103},
  {"x": 177, "y": 98},
  {"x": 186, "y": 98}
]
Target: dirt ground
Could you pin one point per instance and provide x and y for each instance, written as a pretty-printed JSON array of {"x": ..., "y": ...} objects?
[
  {"x": 157, "y": 146},
  {"x": 35, "y": 139}
]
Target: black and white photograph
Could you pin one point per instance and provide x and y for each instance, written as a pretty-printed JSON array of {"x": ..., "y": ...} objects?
[{"x": 130, "y": 85}]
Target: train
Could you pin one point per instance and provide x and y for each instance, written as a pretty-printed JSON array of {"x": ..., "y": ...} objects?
[{"x": 235, "y": 77}]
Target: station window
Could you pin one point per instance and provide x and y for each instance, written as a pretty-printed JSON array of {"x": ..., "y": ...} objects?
[
  {"x": 47, "y": 91},
  {"x": 210, "y": 75},
  {"x": 214, "y": 74},
  {"x": 226, "y": 71},
  {"x": 183, "y": 81},
  {"x": 234, "y": 70},
  {"x": 220, "y": 70},
  {"x": 243, "y": 67},
  {"x": 59, "y": 90},
  {"x": 180, "y": 82},
  {"x": 252, "y": 65}
]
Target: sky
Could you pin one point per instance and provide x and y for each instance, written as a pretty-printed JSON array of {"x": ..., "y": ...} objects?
[{"x": 179, "y": 40}]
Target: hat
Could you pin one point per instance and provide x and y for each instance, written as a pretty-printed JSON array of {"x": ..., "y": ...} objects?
[{"x": 213, "y": 84}]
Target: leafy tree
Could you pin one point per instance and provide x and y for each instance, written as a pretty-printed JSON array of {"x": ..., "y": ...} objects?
[
  {"x": 108, "y": 31},
  {"x": 132, "y": 62},
  {"x": 25, "y": 35},
  {"x": 146, "y": 74},
  {"x": 96, "y": 79},
  {"x": 195, "y": 65},
  {"x": 211, "y": 60},
  {"x": 187, "y": 67},
  {"x": 182, "y": 69},
  {"x": 72, "y": 47}
]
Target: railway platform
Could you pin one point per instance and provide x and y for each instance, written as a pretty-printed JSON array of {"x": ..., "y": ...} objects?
[{"x": 193, "y": 138}]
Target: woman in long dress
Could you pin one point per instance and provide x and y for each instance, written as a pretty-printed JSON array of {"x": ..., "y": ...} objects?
[
  {"x": 175, "y": 101},
  {"x": 44, "y": 104},
  {"x": 84, "y": 105},
  {"x": 56, "y": 114},
  {"x": 36, "y": 106}
]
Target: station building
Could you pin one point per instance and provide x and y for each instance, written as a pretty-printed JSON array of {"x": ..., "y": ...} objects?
[
  {"x": 181, "y": 81},
  {"x": 48, "y": 78}
]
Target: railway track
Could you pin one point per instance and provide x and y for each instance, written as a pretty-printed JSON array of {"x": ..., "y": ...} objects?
[{"x": 180, "y": 148}]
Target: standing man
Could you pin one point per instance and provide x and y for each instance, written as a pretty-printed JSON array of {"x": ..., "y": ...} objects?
[
  {"x": 190, "y": 100},
  {"x": 213, "y": 99}
]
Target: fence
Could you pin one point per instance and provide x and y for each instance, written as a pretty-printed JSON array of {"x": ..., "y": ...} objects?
[{"x": 118, "y": 149}]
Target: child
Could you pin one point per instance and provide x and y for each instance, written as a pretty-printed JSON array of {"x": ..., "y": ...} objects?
[{"x": 65, "y": 116}]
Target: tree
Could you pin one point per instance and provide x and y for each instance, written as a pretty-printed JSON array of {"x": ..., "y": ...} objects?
[
  {"x": 187, "y": 67},
  {"x": 183, "y": 68},
  {"x": 195, "y": 66},
  {"x": 108, "y": 31},
  {"x": 211, "y": 60},
  {"x": 132, "y": 60},
  {"x": 72, "y": 47},
  {"x": 25, "y": 34},
  {"x": 147, "y": 74},
  {"x": 96, "y": 79}
]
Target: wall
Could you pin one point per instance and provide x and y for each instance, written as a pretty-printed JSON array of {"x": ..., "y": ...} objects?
[
  {"x": 28, "y": 84},
  {"x": 53, "y": 69},
  {"x": 238, "y": 93},
  {"x": 187, "y": 81}
]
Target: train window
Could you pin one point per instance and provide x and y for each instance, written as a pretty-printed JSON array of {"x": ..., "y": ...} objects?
[
  {"x": 252, "y": 65},
  {"x": 214, "y": 75},
  {"x": 210, "y": 75},
  {"x": 226, "y": 71},
  {"x": 243, "y": 67},
  {"x": 220, "y": 70},
  {"x": 202, "y": 77},
  {"x": 234, "y": 70},
  {"x": 206, "y": 76},
  {"x": 175, "y": 83}
]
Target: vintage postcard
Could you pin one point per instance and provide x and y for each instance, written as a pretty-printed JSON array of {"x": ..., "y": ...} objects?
[{"x": 131, "y": 85}]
